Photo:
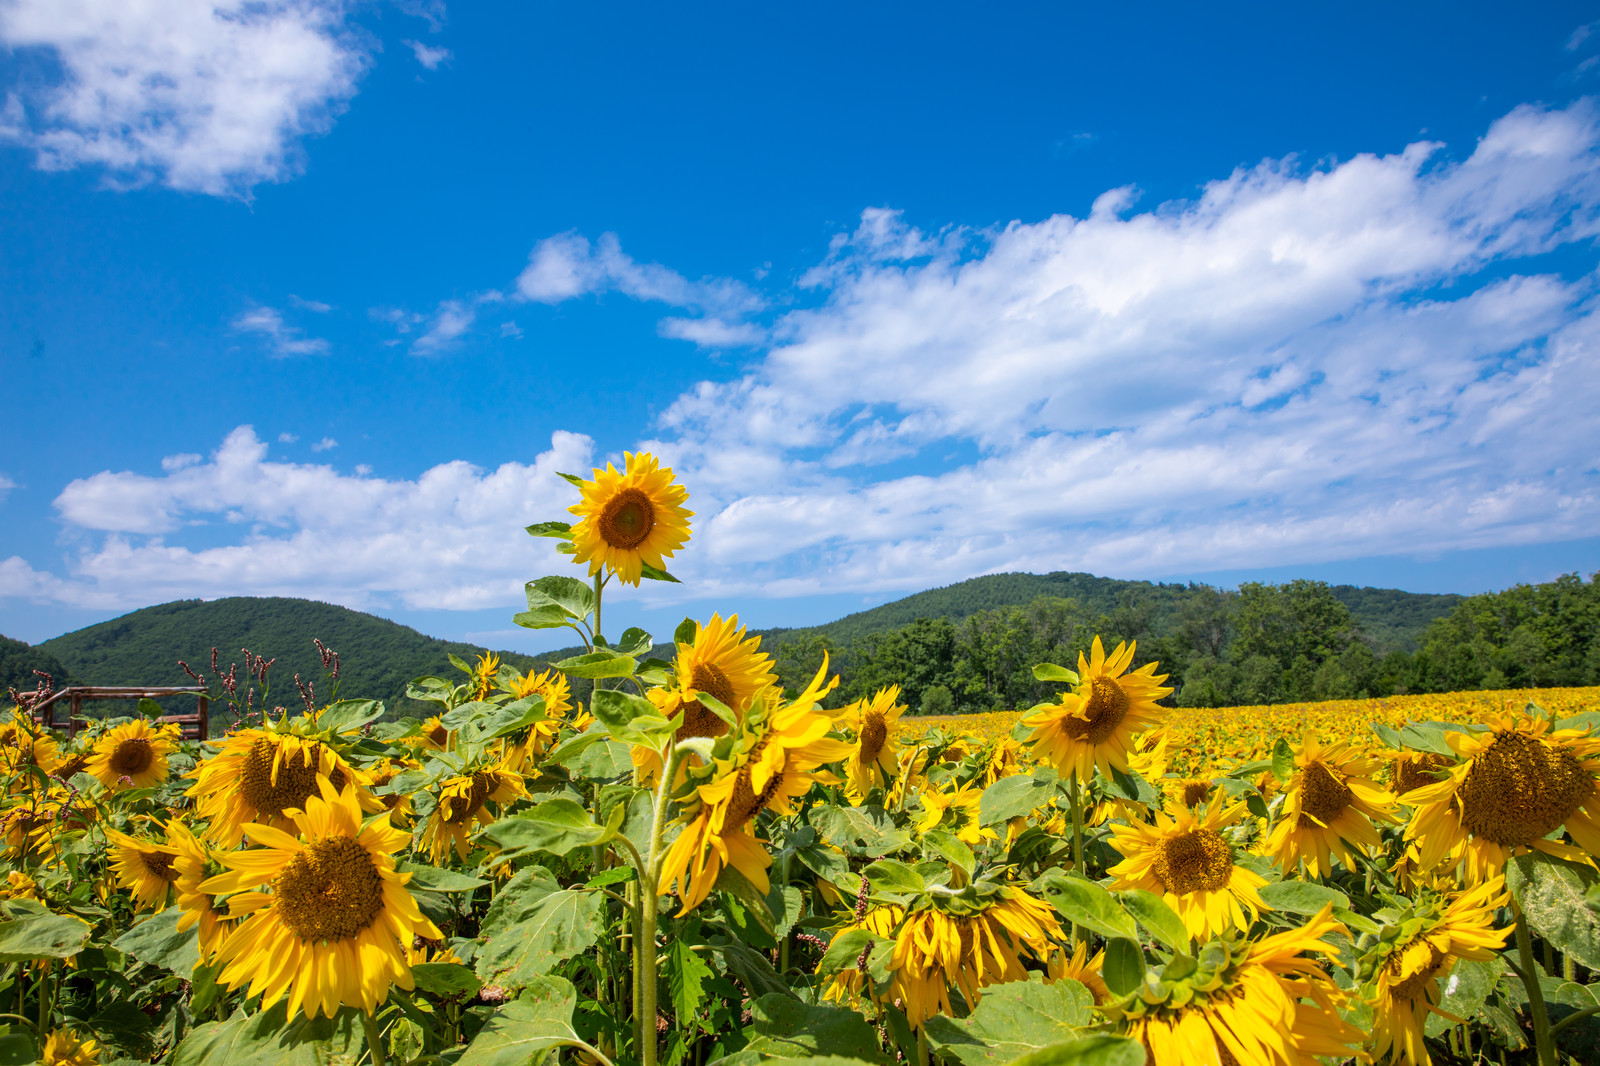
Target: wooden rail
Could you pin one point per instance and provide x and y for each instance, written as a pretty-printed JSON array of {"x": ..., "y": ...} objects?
[{"x": 192, "y": 726}]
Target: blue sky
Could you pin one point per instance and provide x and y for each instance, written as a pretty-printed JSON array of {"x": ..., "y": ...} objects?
[{"x": 314, "y": 298}]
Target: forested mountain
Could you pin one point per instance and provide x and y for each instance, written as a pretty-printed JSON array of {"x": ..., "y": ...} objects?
[
  {"x": 377, "y": 656},
  {"x": 18, "y": 661}
]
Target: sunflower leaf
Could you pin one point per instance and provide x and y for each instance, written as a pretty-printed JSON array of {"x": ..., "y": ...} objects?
[
  {"x": 1086, "y": 903},
  {"x": 1552, "y": 894},
  {"x": 894, "y": 878},
  {"x": 445, "y": 978},
  {"x": 1282, "y": 760},
  {"x": 1052, "y": 672},
  {"x": 533, "y": 925},
  {"x": 34, "y": 932},
  {"x": 574, "y": 478},
  {"x": 1012, "y": 1020},
  {"x": 951, "y": 847},
  {"x": 686, "y": 974},
  {"x": 1011, "y": 797},
  {"x": 1301, "y": 897},
  {"x": 571, "y": 595},
  {"x": 686, "y": 631},
  {"x": 1156, "y": 917},
  {"x": 556, "y": 826},
  {"x": 785, "y": 1029},
  {"x": 270, "y": 1038},
  {"x": 1123, "y": 969},
  {"x": 655, "y": 573},
  {"x": 540, "y": 1019},
  {"x": 156, "y": 941},
  {"x": 602, "y": 663},
  {"x": 558, "y": 530},
  {"x": 433, "y": 879},
  {"x": 1098, "y": 1049},
  {"x": 346, "y": 716}
]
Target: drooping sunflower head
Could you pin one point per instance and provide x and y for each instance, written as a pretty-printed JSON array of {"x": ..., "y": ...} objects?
[
  {"x": 1192, "y": 791},
  {"x": 132, "y": 755},
  {"x": 326, "y": 919},
  {"x": 1330, "y": 805},
  {"x": 1410, "y": 770},
  {"x": 194, "y": 862},
  {"x": 463, "y": 805},
  {"x": 1094, "y": 725},
  {"x": 262, "y": 775},
  {"x": 1185, "y": 858},
  {"x": 483, "y": 675},
  {"x": 144, "y": 867},
  {"x": 1517, "y": 782},
  {"x": 875, "y": 722},
  {"x": 630, "y": 519},
  {"x": 432, "y": 735}
]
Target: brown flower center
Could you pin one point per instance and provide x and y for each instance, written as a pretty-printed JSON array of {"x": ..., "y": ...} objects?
[
  {"x": 1199, "y": 860},
  {"x": 1417, "y": 984},
  {"x": 745, "y": 802},
  {"x": 1416, "y": 771},
  {"x": 874, "y": 734},
  {"x": 438, "y": 735},
  {"x": 297, "y": 779},
  {"x": 1104, "y": 710},
  {"x": 132, "y": 757},
  {"x": 159, "y": 864},
  {"x": 1195, "y": 792},
  {"x": 459, "y": 809},
  {"x": 1521, "y": 789},
  {"x": 698, "y": 719},
  {"x": 1322, "y": 796},
  {"x": 329, "y": 891},
  {"x": 627, "y": 519}
]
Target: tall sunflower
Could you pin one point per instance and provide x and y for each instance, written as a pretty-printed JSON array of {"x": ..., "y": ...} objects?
[
  {"x": 1517, "y": 782},
  {"x": 132, "y": 755},
  {"x": 775, "y": 757},
  {"x": 327, "y": 921},
  {"x": 1329, "y": 806},
  {"x": 143, "y": 867},
  {"x": 720, "y": 661},
  {"x": 1417, "y": 949},
  {"x": 463, "y": 806},
  {"x": 1245, "y": 1003},
  {"x": 196, "y": 862},
  {"x": 630, "y": 519},
  {"x": 1094, "y": 725},
  {"x": 974, "y": 939},
  {"x": 875, "y": 722},
  {"x": 260, "y": 775},
  {"x": 1185, "y": 859}
]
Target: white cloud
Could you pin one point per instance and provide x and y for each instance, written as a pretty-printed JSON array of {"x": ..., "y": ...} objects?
[
  {"x": 452, "y": 538},
  {"x": 326, "y": 444},
  {"x": 284, "y": 339},
  {"x": 511, "y": 330},
  {"x": 287, "y": 438},
  {"x": 309, "y": 305},
  {"x": 430, "y": 58},
  {"x": 449, "y": 323},
  {"x": 209, "y": 96},
  {"x": 713, "y": 332},
  {"x": 6, "y": 485},
  {"x": 1581, "y": 35}
]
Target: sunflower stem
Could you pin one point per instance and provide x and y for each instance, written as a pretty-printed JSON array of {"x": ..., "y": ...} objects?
[
  {"x": 374, "y": 1038},
  {"x": 922, "y": 1047},
  {"x": 1077, "y": 847},
  {"x": 1530, "y": 982},
  {"x": 649, "y": 900},
  {"x": 598, "y": 586}
]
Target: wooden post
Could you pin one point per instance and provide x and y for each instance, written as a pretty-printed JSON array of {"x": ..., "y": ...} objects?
[{"x": 205, "y": 720}]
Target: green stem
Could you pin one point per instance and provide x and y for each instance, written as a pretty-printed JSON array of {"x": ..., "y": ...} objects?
[
  {"x": 649, "y": 902},
  {"x": 922, "y": 1047},
  {"x": 1077, "y": 844},
  {"x": 783, "y": 881},
  {"x": 374, "y": 1039},
  {"x": 1530, "y": 981},
  {"x": 598, "y": 585}
]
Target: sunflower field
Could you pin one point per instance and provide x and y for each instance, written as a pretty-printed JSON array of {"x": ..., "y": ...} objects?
[{"x": 698, "y": 867}]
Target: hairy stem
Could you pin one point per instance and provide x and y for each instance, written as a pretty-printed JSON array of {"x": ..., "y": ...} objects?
[{"x": 1530, "y": 981}]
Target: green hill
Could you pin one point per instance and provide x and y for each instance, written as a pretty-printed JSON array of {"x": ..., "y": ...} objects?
[
  {"x": 377, "y": 656},
  {"x": 18, "y": 661}
]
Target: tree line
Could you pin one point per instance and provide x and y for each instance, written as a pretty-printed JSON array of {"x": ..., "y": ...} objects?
[{"x": 1259, "y": 644}]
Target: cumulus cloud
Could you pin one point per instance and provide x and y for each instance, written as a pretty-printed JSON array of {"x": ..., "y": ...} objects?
[
  {"x": 326, "y": 444},
  {"x": 210, "y": 96},
  {"x": 451, "y": 538},
  {"x": 449, "y": 323},
  {"x": 429, "y": 57},
  {"x": 283, "y": 339}
]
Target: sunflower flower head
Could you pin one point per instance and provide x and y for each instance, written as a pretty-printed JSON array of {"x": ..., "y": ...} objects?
[
  {"x": 195, "y": 862},
  {"x": 133, "y": 755},
  {"x": 875, "y": 722},
  {"x": 1330, "y": 804},
  {"x": 64, "y": 1048},
  {"x": 144, "y": 867},
  {"x": 553, "y": 687},
  {"x": 463, "y": 805},
  {"x": 1093, "y": 727},
  {"x": 1081, "y": 968},
  {"x": 483, "y": 675},
  {"x": 630, "y": 519}
]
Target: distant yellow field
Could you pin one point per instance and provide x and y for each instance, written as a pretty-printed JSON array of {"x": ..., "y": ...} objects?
[{"x": 1200, "y": 737}]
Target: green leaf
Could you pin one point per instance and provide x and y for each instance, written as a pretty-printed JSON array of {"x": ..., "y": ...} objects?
[
  {"x": 783, "y": 1027},
  {"x": 150, "y": 708},
  {"x": 537, "y": 1021},
  {"x": 631, "y": 719},
  {"x": 35, "y": 933},
  {"x": 347, "y": 716},
  {"x": 573, "y": 596},
  {"x": 750, "y": 968},
  {"x": 1282, "y": 760},
  {"x": 534, "y": 924},
  {"x": 569, "y": 749},
  {"x": 951, "y": 847},
  {"x": 845, "y": 950},
  {"x": 1465, "y": 990},
  {"x": 1158, "y": 919},
  {"x": 1012, "y": 796},
  {"x": 787, "y": 904},
  {"x": 1301, "y": 897},
  {"x": 18, "y": 1049},
  {"x": 656, "y": 574},
  {"x": 271, "y": 1039},
  {"x": 555, "y": 826},
  {"x": 558, "y": 530},
  {"x": 1426, "y": 736},
  {"x": 747, "y": 908},
  {"x": 574, "y": 478},
  {"x": 687, "y": 630},
  {"x": 1052, "y": 672},
  {"x": 1387, "y": 735},
  {"x": 1551, "y": 893},
  {"x": 1013, "y": 1020},
  {"x": 686, "y": 972},
  {"x": 505, "y": 719},
  {"x": 1123, "y": 969},
  {"x": 445, "y": 979},
  {"x": 156, "y": 941},
  {"x": 599, "y": 664},
  {"x": 603, "y": 761},
  {"x": 1086, "y": 903},
  {"x": 1097, "y": 1050},
  {"x": 895, "y": 878},
  {"x": 433, "y": 879},
  {"x": 460, "y": 664},
  {"x": 635, "y": 642},
  {"x": 1129, "y": 784},
  {"x": 546, "y": 616}
]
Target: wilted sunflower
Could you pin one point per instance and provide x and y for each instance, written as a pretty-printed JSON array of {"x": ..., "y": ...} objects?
[
  {"x": 1082, "y": 969},
  {"x": 259, "y": 775},
  {"x": 19, "y": 885},
  {"x": 968, "y": 941},
  {"x": 63, "y": 1048},
  {"x": 774, "y": 758},
  {"x": 1420, "y": 949},
  {"x": 872, "y": 762},
  {"x": 463, "y": 807},
  {"x": 630, "y": 519},
  {"x": 194, "y": 863},
  {"x": 132, "y": 755},
  {"x": 1093, "y": 726},
  {"x": 1246, "y": 1003},
  {"x": 1185, "y": 859},
  {"x": 335, "y": 921},
  {"x": 1516, "y": 783},
  {"x": 1329, "y": 806},
  {"x": 143, "y": 867},
  {"x": 720, "y": 661}
]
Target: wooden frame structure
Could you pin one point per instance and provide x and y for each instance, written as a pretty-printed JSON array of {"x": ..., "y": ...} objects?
[{"x": 192, "y": 726}]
